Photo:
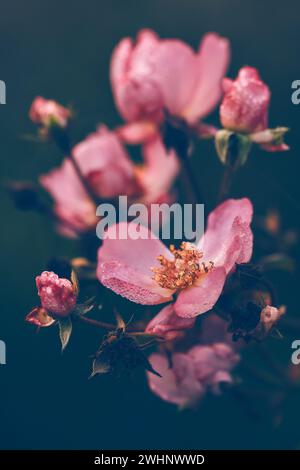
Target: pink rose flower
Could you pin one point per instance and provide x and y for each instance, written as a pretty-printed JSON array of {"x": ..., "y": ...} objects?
[
  {"x": 105, "y": 164},
  {"x": 45, "y": 112},
  {"x": 245, "y": 109},
  {"x": 58, "y": 295},
  {"x": 73, "y": 207},
  {"x": 190, "y": 375},
  {"x": 156, "y": 74},
  {"x": 108, "y": 170},
  {"x": 144, "y": 271}
]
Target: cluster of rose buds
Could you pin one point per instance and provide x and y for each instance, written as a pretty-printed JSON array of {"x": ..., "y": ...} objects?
[{"x": 212, "y": 296}]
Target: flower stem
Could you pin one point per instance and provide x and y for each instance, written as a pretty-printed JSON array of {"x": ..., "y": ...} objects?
[
  {"x": 225, "y": 183},
  {"x": 190, "y": 182},
  {"x": 109, "y": 326}
]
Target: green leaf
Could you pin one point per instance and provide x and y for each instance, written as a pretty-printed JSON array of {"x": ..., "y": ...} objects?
[
  {"x": 82, "y": 309},
  {"x": 65, "y": 331},
  {"x": 232, "y": 148}
]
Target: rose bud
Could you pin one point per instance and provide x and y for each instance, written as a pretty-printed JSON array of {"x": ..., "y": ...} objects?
[
  {"x": 48, "y": 112},
  {"x": 58, "y": 295},
  {"x": 245, "y": 104}
]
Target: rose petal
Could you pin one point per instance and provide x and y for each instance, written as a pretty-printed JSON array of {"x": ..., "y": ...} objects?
[
  {"x": 168, "y": 324},
  {"x": 228, "y": 239},
  {"x": 160, "y": 170},
  {"x": 212, "y": 63},
  {"x": 200, "y": 299},
  {"x": 124, "y": 265},
  {"x": 178, "y": 384}
]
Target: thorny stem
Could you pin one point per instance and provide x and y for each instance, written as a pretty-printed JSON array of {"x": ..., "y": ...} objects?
[{"x": 109, "y": 326}]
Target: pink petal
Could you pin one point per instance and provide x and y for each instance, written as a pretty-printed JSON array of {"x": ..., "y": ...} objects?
[
  {"x": 137, "y": 132},
  {"x": 105, "y": 163},
  {"x": 168, "y": 324},
  {"x": 174, "y": 58},
  {"x": 228, "y": 238},
  {"x": 135, "y": 91},
  {"x": 124, "y": 265},
  {"x": 200, "y": 299},
  {"x": 178, "y": 384},
  {"x": 159, "y": 172},
  {"x": 211, "y": 360},
  {"x": 72, "y": 204},
  {"x": 212, "y": 63}
]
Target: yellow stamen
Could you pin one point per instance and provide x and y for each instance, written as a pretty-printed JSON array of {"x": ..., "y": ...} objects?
[{"x": 184, "y": 270}]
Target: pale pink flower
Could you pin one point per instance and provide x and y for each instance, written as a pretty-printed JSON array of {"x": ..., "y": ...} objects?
[
  {"x": 105, "y": 164},
  {"x": 58, "y": 295},
  {"x": 154, "y": 74},
  {"x": 244, "y": 108},
  {"x": 46, "y": 112},
  {"x": 108, "y": 170},
  {"x": 144, "y": 271},
  {"x": 74, "y": 209},
  {"x": 178, "y": 384},
  {"x": 186, "y": 377},
  {"x": 168, "y": 324}
]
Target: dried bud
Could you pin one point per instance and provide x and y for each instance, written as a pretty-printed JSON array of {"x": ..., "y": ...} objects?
[
  {"x": 120, "y": 352},
  {"x": 39, "y": 317},
  {"x": 270, "y": 316}
]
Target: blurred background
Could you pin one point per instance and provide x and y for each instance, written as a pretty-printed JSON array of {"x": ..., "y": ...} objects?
[{"x": 61, "y": 50}]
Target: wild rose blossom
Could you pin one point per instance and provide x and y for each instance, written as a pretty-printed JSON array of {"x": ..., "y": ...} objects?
[
  {"x": 108, "y": 170},
  {"x": 154, "y": 74},
  {"x": 105, "y": 164},
  {"x": 188, "y": 376},
  {"x": 244, "y": 108},
  {"x": 144, "y": 271},
  {"x": 58, "y": 295},
  {"x": 46, "y": 112}
]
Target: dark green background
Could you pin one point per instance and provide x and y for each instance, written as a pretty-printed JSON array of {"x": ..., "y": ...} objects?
[{"x": 61, "y": 49}]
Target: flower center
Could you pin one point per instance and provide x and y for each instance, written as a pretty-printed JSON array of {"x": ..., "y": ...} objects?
[{"x": 184, "y": 270}]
